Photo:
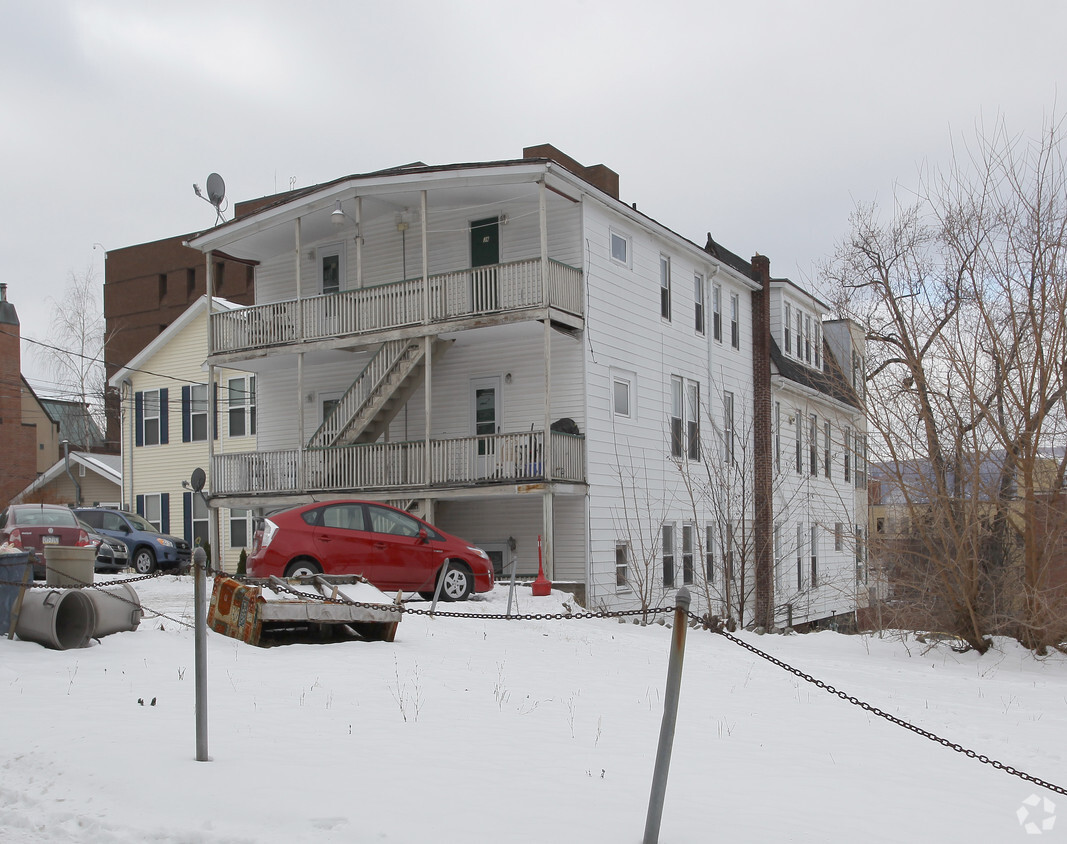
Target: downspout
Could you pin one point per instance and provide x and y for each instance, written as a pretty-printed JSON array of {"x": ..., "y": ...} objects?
[
  {"x": 70, "y": 474},
  {"x": 127, "y": 386}
]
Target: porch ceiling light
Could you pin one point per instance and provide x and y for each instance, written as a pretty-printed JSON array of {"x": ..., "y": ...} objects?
[{"x": 338, "y": 216}]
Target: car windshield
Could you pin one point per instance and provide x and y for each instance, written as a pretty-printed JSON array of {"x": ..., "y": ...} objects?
[
  {"x": 52, "y": 516},
  {"x": 141, "y": 524}
]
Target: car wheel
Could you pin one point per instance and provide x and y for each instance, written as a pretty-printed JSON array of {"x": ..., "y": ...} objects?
[
  {"x": 144, "y": 561},
  {"x": 302, "y": 568},
  {"x": 459, "y": 583},
  {"x": 426, "y": 596}
]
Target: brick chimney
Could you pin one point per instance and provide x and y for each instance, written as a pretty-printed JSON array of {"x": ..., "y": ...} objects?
[
  {"x": 18, "y": 442},
  {"x": 763, "y": 458},
  {"x": 597, "y": 175}
]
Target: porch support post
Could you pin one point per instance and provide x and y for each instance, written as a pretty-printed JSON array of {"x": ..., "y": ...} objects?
[
  {"x": 359, "y": 241},
  {"x": 425, "y": 269},
  {"x": 212, "y": 523},
  {"x": 301, "y": 442},
  {"x": 542, "y": 209},
  {"x": 547, "y": 544},
  {"x": 547, "y": 462},
  {"x": 299, "y": 282},
  {"x": 427, "y": 463}
]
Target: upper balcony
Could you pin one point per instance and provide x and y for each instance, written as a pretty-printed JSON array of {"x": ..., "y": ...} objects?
[{"x": 493, "y": 294}]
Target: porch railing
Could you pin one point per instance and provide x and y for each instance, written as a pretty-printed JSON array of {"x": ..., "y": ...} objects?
[
  {"x": 459, "y": 461},
  {"x": 454, "y": 295}
]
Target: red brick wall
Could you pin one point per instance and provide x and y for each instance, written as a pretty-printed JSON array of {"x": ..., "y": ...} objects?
[{"x": 18, "y": 442}]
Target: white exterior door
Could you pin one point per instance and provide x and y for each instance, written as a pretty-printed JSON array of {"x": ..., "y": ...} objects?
[{"x": 485, "y": 424}]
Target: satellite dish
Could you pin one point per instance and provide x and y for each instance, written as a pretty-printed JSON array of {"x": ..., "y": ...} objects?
[
  {"x": 216, "y": 189},
  {"x": 198, "y": 479}
]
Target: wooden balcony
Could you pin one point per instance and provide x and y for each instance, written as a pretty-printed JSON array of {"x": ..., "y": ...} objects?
[
  {"x": 452, "y": 297},
  {"x": 456, "y": 462}
]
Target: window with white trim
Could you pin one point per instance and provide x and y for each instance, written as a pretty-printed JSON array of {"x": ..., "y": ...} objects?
[
  {"x": 153, "y": 510},
  {"x": 800, "y": 555},
  {"x": 151, "y": 424},
  {"x": 331, "y": 267},
  {"x": 620, "y": 248},
  {"x": 677, "y": 433},
  {"x": 814, "y": 555},
  {"x": 800, "y": 332},
  {"x": 240, "y": 528},
  {"x": 735, "y": 321},
  {"x": 622, "y": 565},
  {"x": 667, "y": 550},
  {"x": 620, "y": 396},
  {"x": 692, "y": 419},
  {"x": 665, "y": 287},
  {"x": 709, "y": 552},
  {"x": 716, "y": 312},
  {"x": 242, "y": 406},
  {"x": 813, "y": 447},
  {"x": 826, "y": 449},
  {"x": 798, "y": 424},
  {"x": 848, "y": 454},
  {"x": 688, "y": 537},
  {"x": 807, "y": 339},
  {"x": 861, "y": 461},
  {"x": 788, "y": 328},
  {"x": 198, "y": 519},
  {"x": 198, "y": 413},
  {"x": 698, "y": 302}
]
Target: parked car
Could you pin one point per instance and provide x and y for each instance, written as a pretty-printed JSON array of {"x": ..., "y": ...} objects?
[
  {"x": 391, "y": 548},
  {"x": 149, "y": 549},
  {"x": 32, "y": 527},
  {"x": 111, "y": 553}
]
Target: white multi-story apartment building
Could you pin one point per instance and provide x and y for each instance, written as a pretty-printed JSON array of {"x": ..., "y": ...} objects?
[{"x": 513, "y": 353}]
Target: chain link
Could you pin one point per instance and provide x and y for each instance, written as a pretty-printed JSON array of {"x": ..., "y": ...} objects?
[
  {"x": 34, "y": 584},
  {"x": 874, "y": 710}
]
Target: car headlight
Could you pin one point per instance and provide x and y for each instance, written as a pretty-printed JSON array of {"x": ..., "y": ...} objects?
[
  {"x": 478, "y": 552},
  {"x": 166, "y": 543}
]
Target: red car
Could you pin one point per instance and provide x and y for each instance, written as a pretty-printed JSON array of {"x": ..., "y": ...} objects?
[
  {"x": 391, "y": 548},
  {"x": 32, "y": 527}
]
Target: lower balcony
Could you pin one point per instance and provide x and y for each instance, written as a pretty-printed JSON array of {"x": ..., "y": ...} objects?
[{"x": 456, "y": 462}]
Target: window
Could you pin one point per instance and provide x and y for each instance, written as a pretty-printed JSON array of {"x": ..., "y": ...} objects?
[
  {"x": 240, "y": 528},
  {"x": 716, "y": 312},
  {"x": 839, "y": 536},
  {"x": 687, "y": 553},
  {"x": 153, "y": 417},
  {"x": 814, "y": 555},
  {"x": 728, "y": 556},
  {"x": 152, "y": 510},
  {"x": 728, "y": 427},
  {"x": 777, "y": 436},
  {"x": 620, "y": 390},
  {"x": 194, "y": 413},
  {"x": 813, "y": 447},
  {"x": 777, "y": 552},
  {"x": 735, "y": 325},
  {"x": 788, "y": 318},
  {"x": 698, "y": 302},
  {"x": 622, "y": 564},
  {"x": 848, "y": 454},
  {"x": 800, "y": 332},
  {"x": 817, "y": 342},
  {"x": 798, "y": 423},
  {"x": 676, "y": 416},
  {"x": 331, "y": 268},
  {"x": 861, "y": 572},
  {"x": 709, "y": 552},
  {"x": 800, "y": 555},
  {"x": 242, "y": 412},
  {"x": 692, "y": 415},
  {"x": 668, "y": 555},
  {"x": 620, "y": 248},
  {"x": 389, "y": 521},
  {"x": 826, "y": 449},
  {"x": 198, "y": 521},
  {"x": 861, "y": 461},
  {"x": 665, "y": 287},
  {"x": 807, "y": 339}
]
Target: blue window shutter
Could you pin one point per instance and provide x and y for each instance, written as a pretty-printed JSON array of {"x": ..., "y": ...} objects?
[
  {"x": 215, "y": 411},
  {"x": 140, "y": 505},
  {"x": 138, "y": 405},
  {"x": 187, "y": 506},
  {"x": 187, "y": 423},
  {"x": 164, "y": 512},
  {"x": 164, "y": 418}
]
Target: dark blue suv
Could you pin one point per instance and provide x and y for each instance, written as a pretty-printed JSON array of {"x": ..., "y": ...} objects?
[{"x": 149, "y": 549}]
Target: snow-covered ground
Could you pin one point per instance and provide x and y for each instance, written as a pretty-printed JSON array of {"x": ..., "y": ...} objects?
[{"x": 470, "y": 730}]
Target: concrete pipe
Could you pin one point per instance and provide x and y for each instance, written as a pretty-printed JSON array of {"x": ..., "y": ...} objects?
[
  {"x": 57, "y": 619},
  {"x": 117, "y": 609}
]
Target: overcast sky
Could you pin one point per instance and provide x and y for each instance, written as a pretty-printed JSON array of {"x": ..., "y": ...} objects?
[{"x": 761, "y": 122}]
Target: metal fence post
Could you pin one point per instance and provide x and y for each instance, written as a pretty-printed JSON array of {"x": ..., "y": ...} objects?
[
  {"x": 670, "y": 716},
  {"x": 437, "y": 589},
  {"x": 200, "y": 653}
]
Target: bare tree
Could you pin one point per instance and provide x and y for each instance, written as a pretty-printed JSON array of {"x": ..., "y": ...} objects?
[
  {"x": 962, "y": 294},
  {"x": 75, "y": 356}
]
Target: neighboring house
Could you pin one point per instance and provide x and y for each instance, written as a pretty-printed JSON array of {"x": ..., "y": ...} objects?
[
  {"x": 169, "y": 411},
  {"x": 89, "y": 480},
  {"x": 513, "y": 353},
  {"x": 29, "y": 437},
  {"x": 77, "y": 426}
]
